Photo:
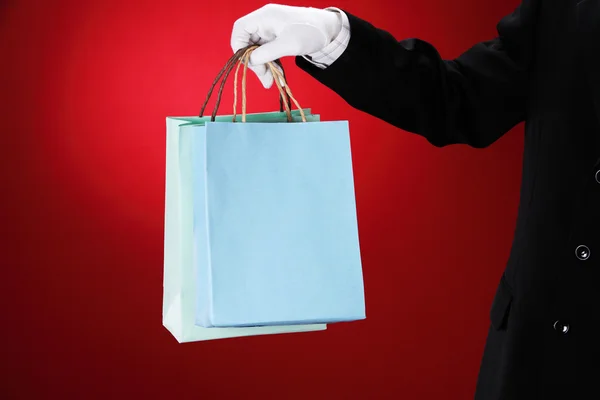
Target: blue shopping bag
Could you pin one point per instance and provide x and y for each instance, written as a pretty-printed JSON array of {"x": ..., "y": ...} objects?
[{"x": 275, "y": 227}]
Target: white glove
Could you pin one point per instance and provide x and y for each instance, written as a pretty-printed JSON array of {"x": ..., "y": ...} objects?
[{"x": 283, "y": 31}]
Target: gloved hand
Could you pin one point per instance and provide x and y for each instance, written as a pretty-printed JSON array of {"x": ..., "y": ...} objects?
[{"x": 283, "y": 31}]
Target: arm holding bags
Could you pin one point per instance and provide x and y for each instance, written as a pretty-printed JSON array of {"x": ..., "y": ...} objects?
[{"x": 473, "y": 99}]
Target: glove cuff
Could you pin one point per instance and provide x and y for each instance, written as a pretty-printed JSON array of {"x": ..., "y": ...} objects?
[{"x": 338, "y": 43}]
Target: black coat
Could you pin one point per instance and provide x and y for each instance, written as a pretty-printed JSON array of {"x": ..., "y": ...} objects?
[{"x": 542, "y": 69}]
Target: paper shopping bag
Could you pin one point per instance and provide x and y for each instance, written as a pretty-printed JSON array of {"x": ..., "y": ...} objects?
[{"x": 275, "y": 229}]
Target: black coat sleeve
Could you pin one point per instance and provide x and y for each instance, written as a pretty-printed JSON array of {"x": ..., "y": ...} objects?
[{"x": 473, "y": 99}]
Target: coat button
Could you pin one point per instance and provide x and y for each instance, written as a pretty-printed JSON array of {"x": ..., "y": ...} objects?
[
  {"x": 561, "y": 327},
  {"x": 582, "y": 252}
]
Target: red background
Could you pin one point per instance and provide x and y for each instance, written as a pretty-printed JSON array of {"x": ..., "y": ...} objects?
[{"x": 86, "y": 87}]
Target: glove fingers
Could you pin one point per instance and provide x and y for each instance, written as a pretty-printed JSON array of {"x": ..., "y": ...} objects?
[
  {"x": 263, "y": 73},
  {"x": 270, "y": 51}
]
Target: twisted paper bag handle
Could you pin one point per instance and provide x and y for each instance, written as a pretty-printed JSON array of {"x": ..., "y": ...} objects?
[
  {"x": 242, "y": 56},
  {"x": 227, "y": 70}
]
